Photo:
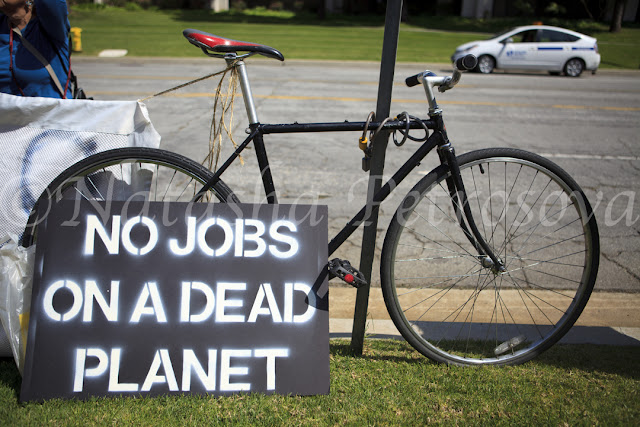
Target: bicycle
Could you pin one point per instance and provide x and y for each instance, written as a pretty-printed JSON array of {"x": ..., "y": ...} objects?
[{"x": 489, "y": 259}]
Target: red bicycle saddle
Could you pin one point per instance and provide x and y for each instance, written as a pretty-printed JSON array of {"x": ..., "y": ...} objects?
[{"x": 218, "y": 44}]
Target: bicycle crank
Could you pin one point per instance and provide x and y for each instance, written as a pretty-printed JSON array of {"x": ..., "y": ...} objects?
[{"x": 343, "y": 269}]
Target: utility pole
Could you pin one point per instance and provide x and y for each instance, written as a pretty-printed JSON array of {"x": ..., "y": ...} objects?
[{"x": 383, "y": 109}]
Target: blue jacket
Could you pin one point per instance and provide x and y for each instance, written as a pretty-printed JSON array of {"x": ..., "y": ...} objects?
[{"x": 48, "y": 32}]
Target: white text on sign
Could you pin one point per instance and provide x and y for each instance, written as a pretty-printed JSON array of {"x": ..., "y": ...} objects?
[
  {"x": 246, "y": 230},
  {"x": 161, "y": 370},
  {"x": 224, "y": 305}
]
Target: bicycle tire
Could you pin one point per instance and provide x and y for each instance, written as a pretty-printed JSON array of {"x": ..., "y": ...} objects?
[
  {"x": 451, "y": 304},
  {"x": 108, "y": 175}
]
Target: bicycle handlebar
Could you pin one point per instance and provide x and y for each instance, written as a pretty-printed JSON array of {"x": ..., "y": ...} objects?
[
  {"x": 413, "y": 80},
  {"x": 465, "y": 63}
]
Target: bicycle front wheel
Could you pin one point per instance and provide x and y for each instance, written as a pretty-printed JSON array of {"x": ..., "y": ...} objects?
[
  {"x": 449, "y": 302},
  {"x": 128, "y": 174}
]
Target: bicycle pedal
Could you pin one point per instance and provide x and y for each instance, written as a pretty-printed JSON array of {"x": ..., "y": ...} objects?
[{"x": 343, "y": 269}]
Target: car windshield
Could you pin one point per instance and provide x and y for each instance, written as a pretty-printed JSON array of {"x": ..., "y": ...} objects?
[{"x": 495, "y": 36}]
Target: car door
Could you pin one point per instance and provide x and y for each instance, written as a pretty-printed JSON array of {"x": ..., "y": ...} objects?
[
  {"x": 520, "y": 50},
  {"x": 554, "y": 49}
]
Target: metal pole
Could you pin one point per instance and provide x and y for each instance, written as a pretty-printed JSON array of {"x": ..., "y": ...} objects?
[{"x": 383, "y": 108}]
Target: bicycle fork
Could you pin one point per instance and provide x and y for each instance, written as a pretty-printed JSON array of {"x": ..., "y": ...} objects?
[{"x": 458, "y": 196}]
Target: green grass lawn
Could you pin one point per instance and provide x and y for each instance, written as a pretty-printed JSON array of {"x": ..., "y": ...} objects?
[
  {"x": 390, "y": 384},
  {"x": 303, "y": 36}
]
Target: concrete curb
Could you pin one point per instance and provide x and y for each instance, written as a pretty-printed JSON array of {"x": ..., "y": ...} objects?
[{"x": 610, "y": 318}]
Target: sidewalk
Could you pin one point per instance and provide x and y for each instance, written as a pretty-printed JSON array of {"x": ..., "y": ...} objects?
[{"x": 609, "y": 318}]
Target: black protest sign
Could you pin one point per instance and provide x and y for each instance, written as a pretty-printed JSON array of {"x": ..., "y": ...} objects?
[{"x": 169, "y": 298}]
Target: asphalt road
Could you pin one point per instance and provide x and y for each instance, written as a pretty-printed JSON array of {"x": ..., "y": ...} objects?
[{"x": 590, "y": 126}]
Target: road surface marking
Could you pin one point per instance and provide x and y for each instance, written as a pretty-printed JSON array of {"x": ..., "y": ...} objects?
[{"x": 373, "y": 100}]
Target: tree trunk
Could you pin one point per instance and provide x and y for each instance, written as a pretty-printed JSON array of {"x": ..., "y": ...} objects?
[
  {"x": 322, "y": 9},
  {"x": 616, "y": 18}
]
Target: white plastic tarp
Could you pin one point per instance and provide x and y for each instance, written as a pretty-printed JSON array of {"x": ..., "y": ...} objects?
[{"x": 40, "y": 138}]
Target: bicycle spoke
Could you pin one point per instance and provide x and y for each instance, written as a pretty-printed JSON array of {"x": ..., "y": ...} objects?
[
  {"x": 453, "y": 221},
  {"x": 475, "y": 188},
  {"x": 451, "y": 239},
  {"x": 461, "y": 308},
  {"x": 551, "y": 260}
]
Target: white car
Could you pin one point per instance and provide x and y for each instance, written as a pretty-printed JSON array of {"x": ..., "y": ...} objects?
[{"x": 535, "y": 47}]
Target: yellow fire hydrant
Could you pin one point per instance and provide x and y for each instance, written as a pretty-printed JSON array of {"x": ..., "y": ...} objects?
[{"x": 76, "y": 39}]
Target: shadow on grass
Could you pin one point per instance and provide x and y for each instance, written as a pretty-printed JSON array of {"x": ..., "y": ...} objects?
[
  {"x": 496, "y": 25},
  {"x": 614, "y": 64},
  {"x": 279, "y": 18},
  {"x": 616, "y": 360},
  {"x": 605, "y": 359},
  {"x": 9, "y": 375},
  {"x": 389, "y": 349},
  {"x": 427, "y": 22}
]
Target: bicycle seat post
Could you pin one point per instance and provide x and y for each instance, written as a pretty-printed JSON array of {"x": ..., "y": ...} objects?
[
  {"x": 245, "y": 86},
  {"x": 258, "y": 142}
]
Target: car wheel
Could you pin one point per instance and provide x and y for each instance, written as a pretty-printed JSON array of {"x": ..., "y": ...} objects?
[
  {"x": 574, "y": 67},
  {"x": 486, "y": 64}
]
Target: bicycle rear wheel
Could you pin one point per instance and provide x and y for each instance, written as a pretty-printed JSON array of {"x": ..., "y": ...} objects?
[
  {"x": 449, "y": 302},
  {"x": 128, "y": 174}
]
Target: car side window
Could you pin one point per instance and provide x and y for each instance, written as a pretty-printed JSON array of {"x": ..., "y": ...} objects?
[
  {"x": 550, "y": 36},
  {"x": 528, "y": 36}
]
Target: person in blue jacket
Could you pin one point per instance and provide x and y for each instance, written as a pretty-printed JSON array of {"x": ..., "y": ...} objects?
[{"x": 45, "y": 24}]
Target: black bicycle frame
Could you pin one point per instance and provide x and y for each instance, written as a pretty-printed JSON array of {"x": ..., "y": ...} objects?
[{"x": 437, "y": 138}]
